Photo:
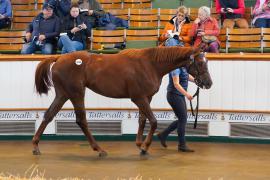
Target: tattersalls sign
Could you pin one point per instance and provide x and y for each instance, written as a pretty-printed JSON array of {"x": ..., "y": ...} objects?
[
  {"x": 248, "y": 117},
  {"x": 205, "y": 116},
  {"x": 134, "y": 115},
  {"x": 20, "y": 115}
]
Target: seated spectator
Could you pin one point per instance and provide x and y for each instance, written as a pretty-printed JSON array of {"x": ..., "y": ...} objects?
[
  {"x": 5, "y": 13},
  {"x": 92, "y": 9},
  {"x": 41, "y": 34},
  {"x": 76, "y": 32},
  {"x": 205, "y": 30},
  {"x": 232, "y": 13},
  {"x": 61, "y": 7},
  {"x": 176, "y": 30},
  {"x": 261, "y": 13}
]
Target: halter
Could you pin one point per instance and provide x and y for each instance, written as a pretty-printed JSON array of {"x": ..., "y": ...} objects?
[{"x": 192, "y": 61}]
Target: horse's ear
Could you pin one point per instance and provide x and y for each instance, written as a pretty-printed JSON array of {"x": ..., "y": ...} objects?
[{"x": 195, "y": 51}]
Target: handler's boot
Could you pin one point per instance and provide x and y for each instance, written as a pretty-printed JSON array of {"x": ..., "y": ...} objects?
[
  {"x": 162, "y": 139},
  {"x": 184, "y": 148}
]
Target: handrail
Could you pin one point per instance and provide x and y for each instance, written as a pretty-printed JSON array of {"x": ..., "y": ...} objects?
[
  {"x": 238, "y": 56},
  {"x": 28, "y": 57},
  {"x": 210, "y": 56}
]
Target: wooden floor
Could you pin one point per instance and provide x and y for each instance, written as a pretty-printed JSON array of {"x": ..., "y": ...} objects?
[{"x": 211, "y": 161}]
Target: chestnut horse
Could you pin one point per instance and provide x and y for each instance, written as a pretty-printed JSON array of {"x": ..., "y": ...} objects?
[{"x": 132, "y": 73}]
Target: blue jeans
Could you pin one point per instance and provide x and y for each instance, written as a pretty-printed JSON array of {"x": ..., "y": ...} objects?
[
  {"x": 68, "y": 45},
  {"x": 178, "y": 104},
  {"x": 173, "y": 42},
  {"x": 31, "y": 47},
  {"x": 262, "y": 22}
]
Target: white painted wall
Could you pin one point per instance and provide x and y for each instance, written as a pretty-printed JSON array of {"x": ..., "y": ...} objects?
[{"x": 238, "y": 85}]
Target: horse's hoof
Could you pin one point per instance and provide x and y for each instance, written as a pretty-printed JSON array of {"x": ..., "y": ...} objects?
[
  {"x": 36, "y": 152},
  {"x": 144, "y": 153},
  {"x": 102, "y": 154}
]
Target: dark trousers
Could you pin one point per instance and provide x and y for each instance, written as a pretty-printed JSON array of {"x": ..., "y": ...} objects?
[
  {"x": 262, "y": 22},
  {"x": 178, "y": 104}
]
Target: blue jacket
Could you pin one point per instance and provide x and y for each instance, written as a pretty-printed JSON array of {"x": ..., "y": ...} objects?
[
  {"x": 49, "y": 27},
  {"x": 5, "y": 8}
]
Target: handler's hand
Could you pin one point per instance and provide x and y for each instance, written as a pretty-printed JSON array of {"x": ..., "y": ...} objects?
[{"x": 189, "y": 96}]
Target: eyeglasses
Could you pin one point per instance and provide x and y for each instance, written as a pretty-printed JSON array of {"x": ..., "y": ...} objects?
[{"x": 181, "y": 15}]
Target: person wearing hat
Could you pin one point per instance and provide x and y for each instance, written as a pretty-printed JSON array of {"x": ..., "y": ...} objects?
[
  {"x": 42, "y": 32},
  {"x": 5, "y": 13}
]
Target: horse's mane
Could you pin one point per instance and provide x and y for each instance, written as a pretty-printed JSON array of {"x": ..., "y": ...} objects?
[
  {"x": 159, "y": 54},
  {"x": 133, "y": 53}
]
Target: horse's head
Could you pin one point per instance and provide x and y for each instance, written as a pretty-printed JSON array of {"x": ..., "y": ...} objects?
[{"x": 198, "y": 68}]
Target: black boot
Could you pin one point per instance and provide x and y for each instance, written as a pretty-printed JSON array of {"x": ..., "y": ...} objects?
[
  {"x": 162, "y": 140},
  {"x": 184, "y": 149}
]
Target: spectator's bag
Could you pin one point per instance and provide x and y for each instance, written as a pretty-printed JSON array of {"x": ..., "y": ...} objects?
[
  {"x": 209, "y": 39},
  {"x": 6, "y": 22}
]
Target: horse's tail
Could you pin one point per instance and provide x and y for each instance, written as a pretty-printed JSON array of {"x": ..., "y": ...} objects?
[{"x": 43, "y": 80}]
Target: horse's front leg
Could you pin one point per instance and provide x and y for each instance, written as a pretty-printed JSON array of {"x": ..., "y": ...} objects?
[
  {"x": 55, "y": 107},
  {"x": 144, "y": 106},
  {"x": 79, "y": 108},
  {"x": 139, "y": 137}
]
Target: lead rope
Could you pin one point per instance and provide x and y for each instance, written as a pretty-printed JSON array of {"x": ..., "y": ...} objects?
[{"x": 197, "y": 93}]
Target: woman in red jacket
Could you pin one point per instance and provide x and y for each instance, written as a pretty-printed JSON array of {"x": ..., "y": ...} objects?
[
  {"x": 203, "y": 26},
  {"x": 232, "y": 12}
]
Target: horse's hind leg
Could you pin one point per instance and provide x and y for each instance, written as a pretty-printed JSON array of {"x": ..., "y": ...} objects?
[
  {"x": 142, "y": 120},
  {"x": 78, "y": 103},
  {"x": 144, "y": 106},
  {"x": 55, "y": 107}
]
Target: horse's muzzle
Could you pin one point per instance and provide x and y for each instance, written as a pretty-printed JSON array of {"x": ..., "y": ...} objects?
[
  {"x": 208, "y": 85},
  {"x": 203, "y": 84}
]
